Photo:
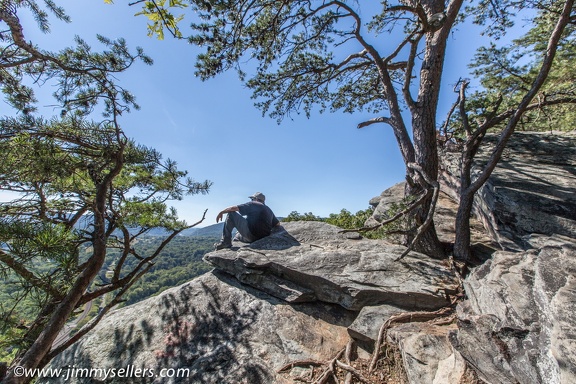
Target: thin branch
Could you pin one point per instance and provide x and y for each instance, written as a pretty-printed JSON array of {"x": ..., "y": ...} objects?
[
  {"x": 353, "y": 371},
  {"x": 547, "y": 62},
  {"x": 415, "y": 204},
  {"x": 444, "y": 129},
  {"x": 462, "y": 105},
  {"x": 410, "y": 67},
  {"x": 135, "y": 272},
  {"x": 88, "y": 327},
  {"x": 299, "y": 363},
  {"x": 330, "y": 372},
  {"x": 348, "y": 359}
]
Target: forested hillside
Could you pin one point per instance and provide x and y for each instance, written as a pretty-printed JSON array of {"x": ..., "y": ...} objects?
[{"x": 178, "y": 263}]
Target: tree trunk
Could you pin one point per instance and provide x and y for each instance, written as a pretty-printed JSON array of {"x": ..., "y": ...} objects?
[
  {"x": 468, "y": 188},
  {"x": 462, "y": 241},
  {"x": 429, "y": 244},
  {"x": 424, "y": 116},
  {"x": 35, "y": 356}
]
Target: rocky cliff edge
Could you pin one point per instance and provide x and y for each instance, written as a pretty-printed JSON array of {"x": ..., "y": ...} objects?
[{"x": 299, "y": 295}]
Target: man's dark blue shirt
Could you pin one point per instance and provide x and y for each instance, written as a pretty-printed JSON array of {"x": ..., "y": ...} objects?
[{"x": 260, "y": 218}]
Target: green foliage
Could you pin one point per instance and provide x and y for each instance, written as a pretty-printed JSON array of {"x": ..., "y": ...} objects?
[
  {"x": 386, "y": 58},
  {"x": 161, "y": 17},
  {"x": 79, "y": 193},
  {"x": 271, "y": 32},
  {"x": 507, "y": 72},
  {"x": 295, "y": 216},
  {"x": 57, "y": 168},
  {"x": 345, "y": 219},
  {"x": 8, "y": 346},
  {"x": 179, "y": 262},
  {"x": 293, "y": 46}
]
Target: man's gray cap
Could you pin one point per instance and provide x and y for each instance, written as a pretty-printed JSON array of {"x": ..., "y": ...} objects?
[{"x": 258, "y": 196}]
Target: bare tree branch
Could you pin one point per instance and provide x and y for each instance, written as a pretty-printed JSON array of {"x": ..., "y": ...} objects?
[
  {"x": 385, "y": 120},
  {"x": 28, "y": 275}
]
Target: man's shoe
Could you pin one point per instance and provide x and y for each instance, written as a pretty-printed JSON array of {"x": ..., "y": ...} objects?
[{"x": 221, "y": 245}]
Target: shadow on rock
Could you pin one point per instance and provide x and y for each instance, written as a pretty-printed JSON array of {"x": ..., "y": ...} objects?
[
  {"x": 279, "y": 239},
  {"x": 207, "y": 342}
]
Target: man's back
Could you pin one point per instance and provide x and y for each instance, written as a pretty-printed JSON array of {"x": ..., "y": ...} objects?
[{"x": 260, "y": 218}]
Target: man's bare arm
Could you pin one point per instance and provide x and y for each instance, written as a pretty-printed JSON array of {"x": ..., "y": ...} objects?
[{"x": 233, "y": 208}]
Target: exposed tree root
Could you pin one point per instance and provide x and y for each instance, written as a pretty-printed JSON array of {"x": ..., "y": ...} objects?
[
  {"x": 340, "y": 368},
  {"x": 431, "y": 189},
  {"x": 330, "y": 371},
  {"x": 352, "y": 371},
  {"x": 301, "y": 363},
  {"x": 406, "y": 317},
  {"x": 330, "y": 367}
]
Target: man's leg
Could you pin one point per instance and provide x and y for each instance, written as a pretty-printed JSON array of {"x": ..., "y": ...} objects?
[
  {"x": 234, "y": 220},
  {"x": 241, "y": 225}
]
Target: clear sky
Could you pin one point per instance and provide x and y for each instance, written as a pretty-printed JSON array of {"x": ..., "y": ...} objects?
[{"x": 212, "y": 129}]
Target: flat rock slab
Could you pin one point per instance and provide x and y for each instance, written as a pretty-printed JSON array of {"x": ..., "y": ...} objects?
[{"x": 314, "y": 261}]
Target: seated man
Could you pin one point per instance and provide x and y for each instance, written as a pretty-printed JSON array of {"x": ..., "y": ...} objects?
[{"x": 258, "y": 223}]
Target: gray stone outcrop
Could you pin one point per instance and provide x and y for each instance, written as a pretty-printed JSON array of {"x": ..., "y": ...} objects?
[
  {"x": 313, "y": 261},
  {"x": 300, "y": 293},
  {"x": 214, "y": 328},
  {"x": 386, "y": 205},
  {"x": 530, "y": 191},
  {"x": 519, "y": 322},
  {"x": 296, "y": 295}
]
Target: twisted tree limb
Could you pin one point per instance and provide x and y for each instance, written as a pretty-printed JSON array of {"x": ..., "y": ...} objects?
[
  {"x": 435, "y": 186},
  {"x": 430, "y": 186},
  {"x": 352, "y": 371},
  {"x": 331, "y": 366}
]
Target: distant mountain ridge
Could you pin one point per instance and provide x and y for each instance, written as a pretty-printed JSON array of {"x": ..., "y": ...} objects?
[{"x": 214, "y": 230}]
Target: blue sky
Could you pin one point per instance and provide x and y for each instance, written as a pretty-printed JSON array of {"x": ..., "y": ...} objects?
[{"x": 212, "y": 129}]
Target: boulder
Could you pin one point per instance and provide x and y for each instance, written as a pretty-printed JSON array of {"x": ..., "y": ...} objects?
[
  {"x": 314, "y": 261},
  {"x": 210, "y": 330},
  {"x": 386, "y": 205},
  {"x": 367, "y": 324},
  {"x": 231, "y": 325},
  {"x": 301, "y": 292},
  {"x": 427, "y": 355},
  {"x": 518, "y": 324},
  {"x": 388, "y": 200}
]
